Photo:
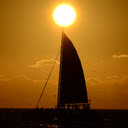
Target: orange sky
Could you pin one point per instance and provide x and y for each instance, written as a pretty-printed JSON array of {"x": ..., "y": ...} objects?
[{"x": 30, "y": 40}]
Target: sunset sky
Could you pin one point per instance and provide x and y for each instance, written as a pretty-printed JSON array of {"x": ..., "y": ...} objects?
[{"x": 30, "y": 40}]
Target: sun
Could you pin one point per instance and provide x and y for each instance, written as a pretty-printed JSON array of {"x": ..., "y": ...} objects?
[{"x": 64, "y": 15}]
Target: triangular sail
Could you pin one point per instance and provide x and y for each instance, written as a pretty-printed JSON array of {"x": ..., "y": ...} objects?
[{"x": 72, "y": 87}]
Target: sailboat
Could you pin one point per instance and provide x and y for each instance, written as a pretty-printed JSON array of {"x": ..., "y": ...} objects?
[{"x": 72, "y": 92}]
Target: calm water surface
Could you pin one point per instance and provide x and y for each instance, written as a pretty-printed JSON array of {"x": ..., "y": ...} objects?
[{"x": 28, "y": 119}]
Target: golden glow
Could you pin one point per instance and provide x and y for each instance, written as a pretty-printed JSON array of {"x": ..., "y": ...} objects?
[{"x": 64, "y": 15}]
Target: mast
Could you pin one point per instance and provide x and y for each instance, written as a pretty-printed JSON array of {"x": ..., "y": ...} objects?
[{"x": 61, "y": 53}]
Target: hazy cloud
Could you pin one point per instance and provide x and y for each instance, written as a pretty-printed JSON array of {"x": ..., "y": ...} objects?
[
  {"x": 108, "y": 92},
  {"x": 40, "y": 63},
  {"x": 22, "y": 91},
  {"x": 22, "y": 77},
  {"x": 120, "y": 56},
  {"x": 1, "y": 75},
  {"x": 113, "y": 77},
  {"x": 27, "y": 78},
  {"x": 3, "y": 78}
]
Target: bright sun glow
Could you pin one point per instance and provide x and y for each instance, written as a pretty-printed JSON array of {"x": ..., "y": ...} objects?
[{"x": 64, "y": 15}]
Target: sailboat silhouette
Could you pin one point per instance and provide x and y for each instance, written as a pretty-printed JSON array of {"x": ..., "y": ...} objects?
[{"x": 72, "y": 92}]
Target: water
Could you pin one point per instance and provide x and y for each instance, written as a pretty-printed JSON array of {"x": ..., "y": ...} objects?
[{"x": 29, "y": 118}]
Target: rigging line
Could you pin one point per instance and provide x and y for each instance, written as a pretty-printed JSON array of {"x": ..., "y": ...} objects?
[{"x": 47, "y": 79}]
